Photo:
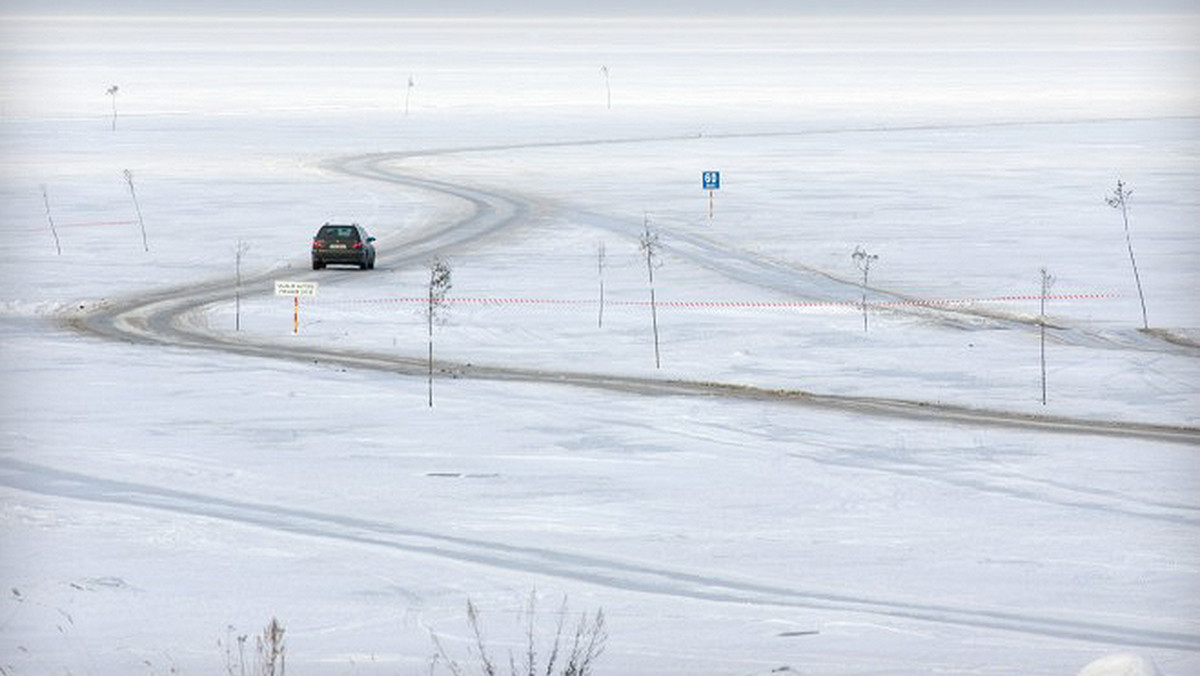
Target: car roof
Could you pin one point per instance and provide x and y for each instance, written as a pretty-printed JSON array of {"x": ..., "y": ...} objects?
[{"x": 341, "y": 226}]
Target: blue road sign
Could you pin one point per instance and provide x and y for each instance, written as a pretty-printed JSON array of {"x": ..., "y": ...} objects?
[{"x": 711, "y": 180}]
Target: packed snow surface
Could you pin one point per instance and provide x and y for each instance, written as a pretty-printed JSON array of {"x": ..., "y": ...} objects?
[
  {"x": 1121, "y": 665},
  {"x": 795, "y": 486}
]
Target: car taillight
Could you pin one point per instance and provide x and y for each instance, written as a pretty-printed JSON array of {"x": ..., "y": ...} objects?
[
  {"x": 318, "y": 244},
  {"x": 358, "y": 245}
]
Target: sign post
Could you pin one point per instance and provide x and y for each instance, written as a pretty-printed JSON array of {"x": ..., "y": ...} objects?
[
  {"x": 711, "y": 181},
  {"x": 295, "y": 290}
]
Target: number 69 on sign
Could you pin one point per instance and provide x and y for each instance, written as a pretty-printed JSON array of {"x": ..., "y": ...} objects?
[{"x": 711, "y": 180}]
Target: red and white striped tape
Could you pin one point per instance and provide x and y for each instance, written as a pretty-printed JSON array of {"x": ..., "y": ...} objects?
[
  {"x": 732, "y": 304},
  {"x": 89, "y": 224}
]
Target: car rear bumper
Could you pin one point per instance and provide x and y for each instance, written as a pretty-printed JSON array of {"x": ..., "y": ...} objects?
[{"x": 339, "y": 256}]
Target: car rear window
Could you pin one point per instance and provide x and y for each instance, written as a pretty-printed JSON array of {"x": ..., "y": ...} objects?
[{"x": 337, "y": 232}]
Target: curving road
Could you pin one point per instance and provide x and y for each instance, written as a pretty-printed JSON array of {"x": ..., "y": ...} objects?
[{"x": 173, "y": 316}]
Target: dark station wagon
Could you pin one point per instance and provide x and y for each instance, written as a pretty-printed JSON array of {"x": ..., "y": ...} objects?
[{"x": 343, "y": 245}]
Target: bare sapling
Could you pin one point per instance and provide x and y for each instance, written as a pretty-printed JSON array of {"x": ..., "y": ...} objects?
[
  {"x": 567, "y": 653},
  {"x": 531, "y": 653},
  {"x": 234, "y": 666},
  {"x": 650, "y": 246},
  {"x": 439, "y": 287},
  {"x": 1119, "y": 199},
  {"x": 485, "y": 661},
  {"x": 50, "y": 220},
  {"x": 1047, "y": 282},
  {"x": 587, "y": 645},
  {"x": 137, "y": 207},
  {"x": 112, "y": 92},
  {"x": 863, "y": 260},
  {"x": 271, "y": 650}
]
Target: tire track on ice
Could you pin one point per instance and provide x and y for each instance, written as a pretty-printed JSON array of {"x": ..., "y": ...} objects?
[
  {"x": 587, "y": 568},
  {"x": 961, "y": 468},
  {"x": 800, "y": 281},
  {"x": 174, "y": 317},
  {"x": 788, "y": 277}
]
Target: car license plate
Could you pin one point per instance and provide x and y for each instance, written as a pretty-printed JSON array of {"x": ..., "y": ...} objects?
[{"x": 337, "y": 246}]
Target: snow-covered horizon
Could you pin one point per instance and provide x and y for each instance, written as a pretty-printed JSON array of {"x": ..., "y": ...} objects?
[{"x": 615, "y": 9}]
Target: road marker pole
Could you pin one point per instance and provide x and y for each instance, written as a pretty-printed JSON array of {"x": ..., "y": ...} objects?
[
  {"x": 295, "y": 290},
  {"x": 711, "y": 181}
]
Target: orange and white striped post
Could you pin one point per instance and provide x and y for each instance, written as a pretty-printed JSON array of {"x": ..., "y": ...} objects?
[{"x": 295, "y": 290}]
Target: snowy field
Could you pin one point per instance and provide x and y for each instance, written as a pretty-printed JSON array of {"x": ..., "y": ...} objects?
[{"x": 801, "y": 503}]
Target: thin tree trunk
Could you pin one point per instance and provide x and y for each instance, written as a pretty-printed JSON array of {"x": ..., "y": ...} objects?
[
  {"x": 653, "y": 310},
  {"x": 237, "y": 296},
  {"x": 50, "y": 219},
  {"x": 864, "y": 301},
  {"x": 430, "y": 316},
  {"x": 1133, "y": 262},
  {"x": 137, "y": 207},
  {"x": 1047, "y": 281},
  {"x": 1043, "y": 328},
  {"x": 600, "y": 273}
]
